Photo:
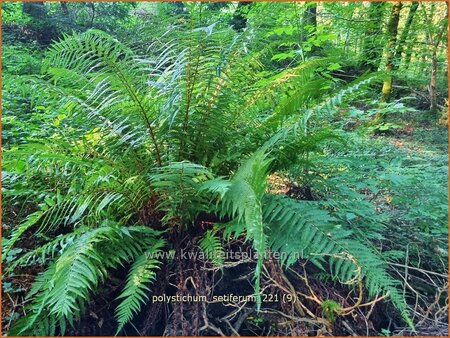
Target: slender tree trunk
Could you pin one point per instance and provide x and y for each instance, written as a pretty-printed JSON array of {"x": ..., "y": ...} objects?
[
  {"x": 92, "y": 6},
  {"x": 309, "y": 21},
  {"x": 392, "y": 40},
  {"x": 409, "y": 53},
  {"x": 66, "y": 12},
  {"x": 433, "y": 80},
  {"x": 372, "y": 48},
  {"x": 435, "y": 42},
  {"x": 432, "y": 87},
  {"x": 404, "y": 35}
]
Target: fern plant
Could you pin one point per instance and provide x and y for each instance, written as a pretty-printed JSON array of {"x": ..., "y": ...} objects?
[
  {"x": 190, "y": 128},
  {"x": 212, "y": 247}
]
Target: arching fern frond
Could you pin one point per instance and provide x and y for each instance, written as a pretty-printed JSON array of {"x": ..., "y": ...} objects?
[
  {"x": 241, "y": 199},
  {"x": 118, "y": 80},
  {"x": 61, "y": 291},
  {"x": 135, "y": 292},
  {"x": 298, "y": 125},
  {"x": 302, "y": 229},
  {"x": 212, "y": 247}
]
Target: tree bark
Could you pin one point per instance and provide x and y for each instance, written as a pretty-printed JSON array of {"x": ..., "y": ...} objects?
[
  {"x": 433, "y": 80},
  {"x": 92, "y": 6},
  {"x": 392, "y": 31},
  {"x": 409, "y": 53},
  {"x": 405, "y": 33},
  {"x": 309, "y": 21},
  {"x": 435, "y": 42}
]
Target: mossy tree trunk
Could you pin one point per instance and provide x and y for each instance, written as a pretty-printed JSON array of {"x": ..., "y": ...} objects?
[
  {"x": 405, "y": 35},
  {"x": 409, "y": 52},
  {"x": 392, "y": 31}
]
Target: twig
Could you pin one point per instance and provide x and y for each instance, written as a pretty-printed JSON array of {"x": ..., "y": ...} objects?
[{"x": 420, "y": 270}]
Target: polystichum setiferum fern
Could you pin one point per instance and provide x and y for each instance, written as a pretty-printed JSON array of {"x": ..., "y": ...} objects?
[{"x": 189, "y": 126}]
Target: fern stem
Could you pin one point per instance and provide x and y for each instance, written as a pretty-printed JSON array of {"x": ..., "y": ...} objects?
[
  {"x": 143, "y": 112},
  {"x": 188, "y": 106}
]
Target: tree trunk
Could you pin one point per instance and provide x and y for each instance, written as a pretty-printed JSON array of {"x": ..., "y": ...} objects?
[
  {"x": 392, "y": 30},
  {"x": 435, "y": 42},
  {"x": 92, "y": 6},
  {"x": 409, "y": 53},
  {"x": 309, "y": 22},
  {"x": 432, "y": 87},
  {"x": 404, "y": 35},
  {"x": 433, "y": 80},
  {"x": 372, "y": 48}
]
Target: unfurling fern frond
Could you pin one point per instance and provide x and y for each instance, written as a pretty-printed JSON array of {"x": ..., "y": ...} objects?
[
  {"x": 212, "y": 248},
  {"x": 136, "y": 291}
]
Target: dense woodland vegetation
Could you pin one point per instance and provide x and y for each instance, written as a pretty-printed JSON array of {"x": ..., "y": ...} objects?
[{"x": 310, "y": 136}]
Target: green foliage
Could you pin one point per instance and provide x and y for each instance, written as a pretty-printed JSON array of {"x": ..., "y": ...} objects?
[
  {"x": 135, "y": 291},
  {"x": 330, "y": 308},
  {"x": 212, "y": 248},
  {"x": 302, "y": 229},
  {"x": 20, "y": 60},
  {"x": 178, "y": 184},
  {"x": 241, "y": 199},
  {"x": 59, "y": 293},
  {"x": 102, "y": 139}
]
